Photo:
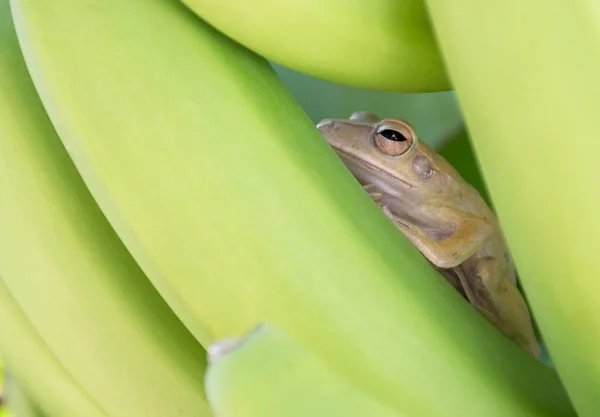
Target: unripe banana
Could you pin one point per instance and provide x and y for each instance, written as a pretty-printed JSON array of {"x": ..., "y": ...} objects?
[
  {"x": 526, "y": 74},
  {"x": 268, "y": 374},
  {"x": 239, "y": 212},
  {"x": 30, "y": 360},
  {"x": 2, "y": 385},
  {"x": 376, "y": 44},
  {"x": 88, "y": 304},
  {"x": 19, "y": 403}
]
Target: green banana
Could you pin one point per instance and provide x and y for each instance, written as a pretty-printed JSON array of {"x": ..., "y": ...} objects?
[
  {"x": 531, "y": 105},
  {"x": 375, "y": 44},
  {"x": 238, "y": 211},
  {"x": 19, "y": 404},
  {"x": 88, "y": 304},
  {"x": 2, "y": 390},
  {"x": 268, "y": 374},
  {"x": 30, "y": 360},
  {"x": 2, "y": 384}
]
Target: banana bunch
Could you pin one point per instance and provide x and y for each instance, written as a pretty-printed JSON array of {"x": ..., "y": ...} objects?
[
  {"x": 82, "y": 327},
  {"x": 162, "y": 191}
]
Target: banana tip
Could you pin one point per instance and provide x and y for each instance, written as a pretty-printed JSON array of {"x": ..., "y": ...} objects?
[{"x": 221, "y": 348}]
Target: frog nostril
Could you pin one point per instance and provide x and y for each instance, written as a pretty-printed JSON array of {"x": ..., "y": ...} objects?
[{"x": 327, "y": 124}]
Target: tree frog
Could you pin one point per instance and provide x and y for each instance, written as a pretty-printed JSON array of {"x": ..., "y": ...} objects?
[{"x": 439, "y": 212}]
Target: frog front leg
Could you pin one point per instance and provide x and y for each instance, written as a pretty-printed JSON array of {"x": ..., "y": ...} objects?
[{"x": 469, "y": 235}]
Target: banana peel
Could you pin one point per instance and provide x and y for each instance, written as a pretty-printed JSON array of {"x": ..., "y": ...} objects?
[
  {"x": 526, "y": 76},
  {"x": 265, "y": 373},
  {"x": 19, "y": 403},
  {"x": 376, "y": 44},
  {"x": 85, "y": 300},
  {"x": 31, "y": 361}
]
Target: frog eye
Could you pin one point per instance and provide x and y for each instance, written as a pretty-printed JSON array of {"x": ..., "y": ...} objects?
[
  {"x": 423, "y": 166},
  {"x": 393, "y": 137}
]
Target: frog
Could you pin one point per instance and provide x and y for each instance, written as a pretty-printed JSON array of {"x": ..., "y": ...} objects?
[{"x": 439, "y": 212}]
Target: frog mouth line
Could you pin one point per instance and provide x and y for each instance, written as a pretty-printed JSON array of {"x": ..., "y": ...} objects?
[{"x": 371, "y": 166}]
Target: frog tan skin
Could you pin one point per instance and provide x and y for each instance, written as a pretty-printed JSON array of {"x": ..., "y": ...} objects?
[{"x": 440, "y": 213}]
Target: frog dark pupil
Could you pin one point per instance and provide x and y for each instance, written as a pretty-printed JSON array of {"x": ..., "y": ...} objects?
[{"x": 393, "y": 135}]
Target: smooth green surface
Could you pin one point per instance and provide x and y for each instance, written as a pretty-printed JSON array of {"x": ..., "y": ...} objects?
[
  {"x": 75, "y": 283},
  {"x": 32, "y": 362},
  {"x": 19, "y": 404},
  {"x": 526, "y": 75},
  {"x": 378, "y": 44},
  {"x": 239, "y": 212},
  {"x": 269, "y": 374}
]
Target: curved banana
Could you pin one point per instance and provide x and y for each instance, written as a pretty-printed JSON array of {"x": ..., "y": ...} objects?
[
  {"x": 2, "y": 386},
  {"x": 30, "y": 360},
  {"x": 239, "y": 212},
  {"x": 531, "y": 106},
  {"x": 375, "y": 44},
  {"x": 19, "y": 403},
  {"x": 85, "y": 298},
  {"x": 268, "y": 374},
  {"x": 2, "y": 390}
]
